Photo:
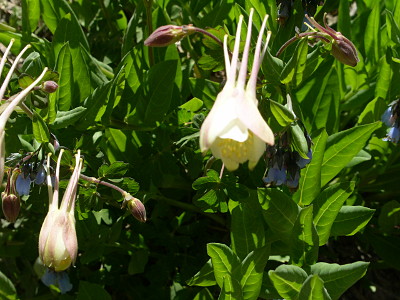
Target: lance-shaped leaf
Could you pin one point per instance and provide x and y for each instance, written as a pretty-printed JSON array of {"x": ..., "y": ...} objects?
[
  {"x": 40, "y": 130},
  {"x": 351, "y": 219},
  {"x": 288, "y": 280},
  {"x": 313, "y": 289}
]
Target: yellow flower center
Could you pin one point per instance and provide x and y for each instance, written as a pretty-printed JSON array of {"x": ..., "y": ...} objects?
[{"x": 234, "y": 150}]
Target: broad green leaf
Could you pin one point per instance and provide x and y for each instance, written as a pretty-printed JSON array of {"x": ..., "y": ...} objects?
[
  {"x": 116, "y": 170},
  {"x": 53, "y": 11},
  {"x": 204, "y": 294},
  {"x": 40, "y": 130},
  {"x": 92, "y": 291},
  {"x": 224, "y": 262},
  {"x": 313, "y": 289},
  {"x": 344, "y": 22},
  {"x": 161, "y": 82},
  {"x": 231, "y": 289},
  {"x": 304, "y": 239},
  {"x": 310, "y": 178},
  {"x": 272, "y": 68},
  {"x": 373, "y": 111},
  {"x": 7, "y": 289},
  {"x": 279, "y": 210},
  {"x": 252, "y": 272},
  {"x": 65, "y": 83},
  {"x": 24, "y": 80},
  {"x": 205, "y": 90},
  {"x": 393, "y": 28},
  {"x": 389, "y": 216},
  {"x": 30, "y": 15},
  {"x": 282, "y": 115},
  {"x": 341, "y": 147},
  {"x": 351, "y": 219},
  {"x": 138, "y": 261},
  {"x": 361, "y": 156},
  {"x": 372, "y": 34},
  {"x": 338, "y": 278},
  {"x": 292, "y": 73},
  {"x": 66, "y": 118},
  {"x": 247, "y": 226},
  {"x": 205, "y": 277},
  {"x": 385, "y": 71},
  {"x": 299, "y": 141},
  {"x": 327, "y": 206},
  {"x": 288, "y": 280}
]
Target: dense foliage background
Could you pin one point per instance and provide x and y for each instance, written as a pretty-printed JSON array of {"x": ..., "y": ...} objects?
[{"x": 135, "y": 113}]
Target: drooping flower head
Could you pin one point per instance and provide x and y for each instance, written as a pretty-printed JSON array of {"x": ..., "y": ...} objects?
[
  {"x": 234, "y": 129},
  {"x": 58, "y": 244}
]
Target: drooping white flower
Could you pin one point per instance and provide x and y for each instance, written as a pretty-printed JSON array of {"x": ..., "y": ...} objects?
[
  {"x": 7, "y": 108},
  {"x": 234, "y": 129},
  {"x": 58, "y": 244}
]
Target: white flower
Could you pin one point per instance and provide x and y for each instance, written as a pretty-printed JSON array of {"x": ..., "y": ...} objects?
[
  {"x": 58, "y": 244},
  {"x": 7, "y": 108},
  {"x": 234, "y": 129}
]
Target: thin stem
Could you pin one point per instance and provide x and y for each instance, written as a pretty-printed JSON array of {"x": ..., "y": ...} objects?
[
  {"x": 107, "y": 184},
  {"x": 26, "y": 110},
  {"x": 293, "y": 39},
  {"x": 209, "y": 34},
  {"x": 149, "y": 18}
]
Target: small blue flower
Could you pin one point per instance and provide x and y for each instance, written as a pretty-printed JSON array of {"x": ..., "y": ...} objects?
[
  {"x": 59, "y": 279},
  {"x": 276, "y": 175},
  {"x": 41, "y": 175},
  {"x": 302, "y": 162},
  {"x": 387, "y": 117},
  {"x": 293, "y": 182},
  {"x": 393, "y": 135},
  {"x": 23, "y": 185}
]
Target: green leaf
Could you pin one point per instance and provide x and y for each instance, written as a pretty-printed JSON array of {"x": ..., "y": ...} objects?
[
  {"x": 204, "y": 294},
  {"x": 310, "y": 178},
  {"x": 230, "y": 289},
  {"x": 64, "y": 69},
  {"x": 66, "y": 118},
  {"x": 351, "y": 219},
  {"x": 327, "y": 206},
  {"x": 372, "y": 34},
  {"x": 116, "y": 170},
  {"x": 252, "y": 272},
  {"x": 30, "y": 15},
  {"x": 373, "y": 111},
  {"x": 247, "y": 226},
  {"x": 313, "y": 289},
  {"x": 282, "y": 115},
  {"x": 92, "y": 291},
  {"x": 387, "y": 248},
  {"x": 392, "y": 27},
  {"x": 341, "y": 147},
  {"x": 279, "y": 210},
  {"x": 292, "y": 74},
  {"x": 205, "y": 277},
  {"x": 389, "y": 216},
  {"x": 138, "y": 261},
  {"x": 288, "y": 280},
  {"x": 304, "y": 250},
  {"x": 53, "y": 11},
  {"x": 361, "y": 157},
  {"x": 337, "y": 279},
  {"x": 40, "y": 130},
  {"x": 7, "y": 289},
  {"x": 385, "y": 71},
  {"x": 25, "y": 80},
  {"x": 272, "y": 68},
  {"x": 224, "y": 261},
  {"x": 299, "y": 141}
]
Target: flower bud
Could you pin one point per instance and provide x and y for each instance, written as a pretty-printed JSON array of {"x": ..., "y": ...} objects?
[
  {"x": 49, "y": 86},
  {"x": 11, "y": 206},
  {"x": 168, "y": 35},
  {"x": 344, "y": 51},
  {"x": 136, "y": 207},
  {"x": 58, "y": 244}
]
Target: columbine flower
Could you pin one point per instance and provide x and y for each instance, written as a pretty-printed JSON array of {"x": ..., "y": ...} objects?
[
  {"x": 234, "y": 129},
  {"x": 58, "y": 245},
  {"x": 7, "y": 108}
]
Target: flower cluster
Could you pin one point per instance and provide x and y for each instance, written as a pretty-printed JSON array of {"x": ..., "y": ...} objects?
[
  {"x": 284, "y": 163},
  {"x": 391, "y": 118},
  {"x": 234, "y": 129}
]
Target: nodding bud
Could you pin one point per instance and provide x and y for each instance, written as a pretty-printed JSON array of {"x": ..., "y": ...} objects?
[
  {"x": 344, "y": 51},
  {"x": 168, "y": 35},
  {"x": 11, "y": 206},
  {"x": 136, "y": 207},
  {"x": 49, "y": 86}
]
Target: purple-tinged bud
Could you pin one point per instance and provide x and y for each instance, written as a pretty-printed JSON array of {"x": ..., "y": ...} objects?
[
  {"x": 344, "y": 51},
  {"x": 136, "y": 207},
  {"x": 49, "y": 86},
  {"x": 11, "y": 206},
  {"x": 168, "y": 35}
]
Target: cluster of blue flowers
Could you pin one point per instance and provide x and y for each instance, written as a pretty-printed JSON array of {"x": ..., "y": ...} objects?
[
  {"x": 285, "y": 164},
  {"x": 391, "y": 118},
  {"x": 30, "y": 172}
]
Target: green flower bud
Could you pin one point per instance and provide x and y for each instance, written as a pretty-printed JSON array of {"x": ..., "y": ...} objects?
[{"x": 168, "y": 35}]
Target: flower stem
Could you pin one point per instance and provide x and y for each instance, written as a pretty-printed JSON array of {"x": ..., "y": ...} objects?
[
  {"x": 208, "y": 34},
  {"x": 98, "y": 181}
]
